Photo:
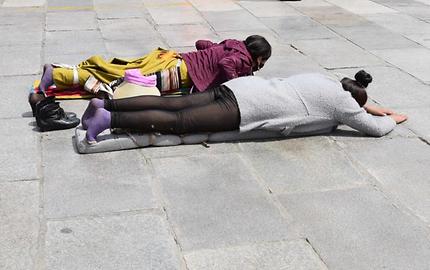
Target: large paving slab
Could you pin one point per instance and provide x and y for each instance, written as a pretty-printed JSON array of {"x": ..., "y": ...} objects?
[
  {"x": 20, "y": 59},
  {"x": 73, "y": 187},
  {"x": 293, "y": 255},
  {"x": 137, "y": 28},
  {"x": 418, "y": 120},
  {"x": 362, "y": 6},
  {"x": 219, "y": 5},
  {"x": 332, "y": 15},
  {"x": 20, "y": 156},
  {"x": 77, "y": 20},
  {"x": 173, "y": 13},
  {"x": 74, "y": 42},
  {"x": 23, "y": 3},
  {"x": 371, "y": 36},
  {"x": 302, "y": 165},
  {"x": 401, "y": 168},
  {"x": 19, "y": 225},
  {"x": 360, "y": 229},
  {"x": 186, "y": 35},
  {"x": 344, "y": 54},
  {"x": 402, "y": 59},
  {"x": 14, "y": 89},
  {"x": 392, "y": 87},
  {"x": 400, "y": 23},
  {"x": 269, "y": 8},
  {"x": 208, "y": 210},
  {"x": 298, "y": 27},
  {"x": 140, "y": 241},
  {"x": 233, "y": 21},
  {"x": 112, "y": 9},
  {"x": 20, "y": 35}
]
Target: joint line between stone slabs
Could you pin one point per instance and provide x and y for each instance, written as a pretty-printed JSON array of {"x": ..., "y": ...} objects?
[
  {"x": 161, "y": 200},
  {"x": 316, "y": 252}
]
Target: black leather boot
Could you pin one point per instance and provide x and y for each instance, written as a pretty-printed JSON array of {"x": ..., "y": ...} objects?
[
  {"x": 52, "y": 117},
  {"x": 34, "y": 98}
]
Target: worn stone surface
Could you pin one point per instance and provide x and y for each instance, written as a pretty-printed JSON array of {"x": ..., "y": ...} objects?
[
  {"x": 302, "y": 165},
  {"x": 173, "y": 13},
  {"x": 209, "y": 211},
  {"x": 79, "y": 20},
  {"x": 347, "y": 54},
  {"x": 19, "y": 224},
  {"x": 360, "y": 229},
  {"x": 127, "y": 241},
  {"x": 75, "y": 188},
  {"x": 269, "y": 9},
  {"x": 185, "y": 35},
  {"x": 298, "y": 27},
  {"x": 20, "y": 59},
  {"x": 20, "y": 145},
  {"x": 402, "y": 59},
  {"x": 84, "y": 42},
  {"x": 273, "y": 255},
  {"x": 233, "y": 21},
  {"x": 403, "y": 174}
]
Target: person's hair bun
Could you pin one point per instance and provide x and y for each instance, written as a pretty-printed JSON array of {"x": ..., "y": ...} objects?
[{"x": 363, "y": 78}]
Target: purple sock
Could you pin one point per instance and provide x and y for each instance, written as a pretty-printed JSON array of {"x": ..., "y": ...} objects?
[
  {"x": 98, "y": 123},
  {"x": 93, "y": 105},
  {"x": 46, "y": 79}
]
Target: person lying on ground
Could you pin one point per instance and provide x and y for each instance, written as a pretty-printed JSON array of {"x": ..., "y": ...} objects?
[
  {"x": 209, "y": 66},
  {"x": 304, "y": 104}
]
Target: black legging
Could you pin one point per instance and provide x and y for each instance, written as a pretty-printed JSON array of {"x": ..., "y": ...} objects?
[{"x": 210, "y": 111}]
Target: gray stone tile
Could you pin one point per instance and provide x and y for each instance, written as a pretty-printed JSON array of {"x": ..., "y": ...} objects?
[
  {"x": 174, "y": 13},
  {"x": 274, "y": 255},
  {"x": 269, "y": 9},
  {"x": 400, "y": 23},
  {"x": 74, "y": 5},
  {"x": 373, "y": 37},
  {"x": 233, "y": 21},
  {"x": 126, "y": 29},
  {"x": 401, "y": 168},
  {"x": 302, "y": 165},
  {"x": 422, "y": 39},
  {"x": 219, "y": 5},
  {"x": 210, "y": 209},
  {"x": 111, "y": 243},
  {"x": 19, "y": 225},
  {"x": 360, "y": 229},
  {"x": 111, "y": 9},
  {"x": 76, "y": 20},
  {"x": 24, "y": 3},
  {"x": 20, "y": 156},
  {"x": 19, "y": 35},
  {"x": 344, "y": 53},
  {"x": 185, "y": 35},
  {"x": 15, "y": 93},
  {"x": 243, "y": 34},
  {"x": 362, "y": 7},
  {"x": 392, "y": 87},
  {"x": 402, "y": 59},
  {"x": 298, "y": 27},
  {"x": 332, "y": 15},
  {"x": 418, "y": 120},
  {"x": 310, "y": 4},
  {"x": 74, "y": 42},
  {"x": 20, "y": 59},
  {"x": 289, "y": 64},
  {"x": 92, "y": 184}
]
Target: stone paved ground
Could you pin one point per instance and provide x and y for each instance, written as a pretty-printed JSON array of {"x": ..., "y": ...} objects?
[{"x": 341, "y": 201}]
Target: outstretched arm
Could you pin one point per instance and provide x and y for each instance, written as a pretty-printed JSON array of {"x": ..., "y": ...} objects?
[{"x": 349, "y": 113}]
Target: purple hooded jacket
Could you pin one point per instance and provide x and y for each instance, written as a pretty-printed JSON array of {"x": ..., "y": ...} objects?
[{"x": 213, "y": 64}]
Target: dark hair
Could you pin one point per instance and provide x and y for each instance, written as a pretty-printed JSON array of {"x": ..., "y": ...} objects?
[
  {"x": 357, "y": 87},
  {"x": 258, "y": 46}
]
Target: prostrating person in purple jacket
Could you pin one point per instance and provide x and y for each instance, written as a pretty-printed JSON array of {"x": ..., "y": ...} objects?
[{"x": 211, "y": 65}]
